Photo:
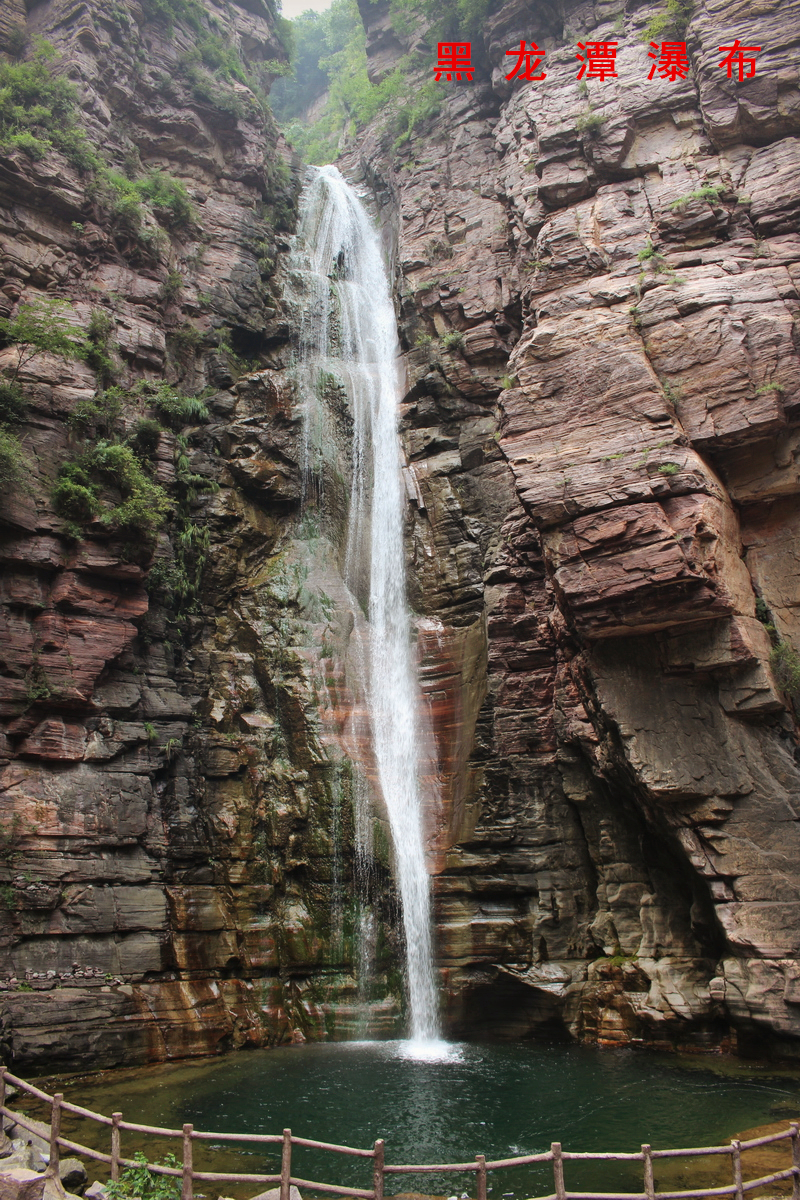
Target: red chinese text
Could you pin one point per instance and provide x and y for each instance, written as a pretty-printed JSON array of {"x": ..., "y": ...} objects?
[
  {"x": 735, "y": 60},
  {"x": 454, "y": 59},
  {"x": 671, "y": 60},
  {"x": 524, "y": 57},
  {"x": 600, "y": 60}
]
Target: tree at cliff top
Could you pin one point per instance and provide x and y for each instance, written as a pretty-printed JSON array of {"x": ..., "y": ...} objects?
[
  {"x": 330, "y": 57},
  {"x": 442, "y": 19}
]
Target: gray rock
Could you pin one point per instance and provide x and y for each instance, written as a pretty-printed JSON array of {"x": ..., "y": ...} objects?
[
  {"x": 19, "y": 1160},
  {"x": 72, "y": 1174},
  {"x": 275, "y": 1194},
  {"x": 17, "y": 1183}
]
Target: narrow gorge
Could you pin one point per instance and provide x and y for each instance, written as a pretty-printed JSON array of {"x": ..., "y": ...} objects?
[{"x": 596, "y": 292}]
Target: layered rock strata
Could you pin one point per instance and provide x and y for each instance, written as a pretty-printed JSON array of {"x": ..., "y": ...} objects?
[
  {"x": 175, "y": 843},
  {"x": 598, "y": 289}
]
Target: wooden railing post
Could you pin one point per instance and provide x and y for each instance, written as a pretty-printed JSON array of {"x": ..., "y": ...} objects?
[
  {"x": 286, "y": 1164},
  {"x": 558, "y": 1170},
  {"x": 187, "y": 1182},
  {"x": 649, "y": 1181},
  {"x": 795, "y": 1127},
  {"x": 379, "y": 1153},
  {"x": 55, "y": 1131},
  {"x": 115, "y": 1150},
  {"x": 480, "y": 1159},
  {"x": 736, "y": 1155}
]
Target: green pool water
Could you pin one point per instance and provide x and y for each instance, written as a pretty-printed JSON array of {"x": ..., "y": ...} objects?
[{"x": 499, "y": 1100}]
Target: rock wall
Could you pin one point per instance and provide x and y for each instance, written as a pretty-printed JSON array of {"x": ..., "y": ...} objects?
[
  {"x": 169, "y": 816},
  {"x": 598, "y": 294}
]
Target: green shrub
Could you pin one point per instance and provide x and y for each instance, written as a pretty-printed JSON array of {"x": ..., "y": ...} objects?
[
  {"x": 446, "y": 19},
  {"x": 648, "y": 253},
  {"x": 111, "y": 466},
  {"x": 145, "y": 437},
  {"x": 785, "y": 663},
  {"x": 207, "y": 88},
  {"x": 167, "y": 195},
  {"x": 669, "y": 468},
  {"x": 166, "y": 582},
  {"x": 101, "y": 325},
  {"x": 16, "y": 41},
  {"x": 76, "y": 502},
  {"x": 710, "y": 192},
  {"x": 120, "y": 197},
  {"x": 220, "y": 57},
  {"x": 167, "y": 12},
  {"x": 669, "y": 24},
  {"x": 124, "y": 199},
  {"x": 41, "y": 326},
  {"x": 453, "y": 339},
  {"x": 139, "y": 1181},
  {"x": 13, "y": 463},
  {"x": 172, "y": 286},
  {"x": 102, "y": 412},
  {"x": 177, "y": 410},
  {"x": 186, "y": 338},
  {"x": 425, "y": 103},
  {"x": 38, "y": 110},
  {"x": 12, "y": 403},
  {"x": 673, "y": 393},
  {"x": 35, "y": 148},
  {"x": 589, "y": 122}
]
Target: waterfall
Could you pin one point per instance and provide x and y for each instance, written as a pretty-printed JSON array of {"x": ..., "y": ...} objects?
[{"x": 348, "y": 335}]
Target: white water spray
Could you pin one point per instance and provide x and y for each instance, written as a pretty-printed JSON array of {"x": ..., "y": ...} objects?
[{"x": 349, "y": 333}]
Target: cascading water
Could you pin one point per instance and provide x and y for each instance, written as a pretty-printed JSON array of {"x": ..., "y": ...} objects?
[{"x": 349, "y": 336}]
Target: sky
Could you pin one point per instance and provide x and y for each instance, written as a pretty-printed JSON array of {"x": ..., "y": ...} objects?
[{"x": 293, "y": 8}]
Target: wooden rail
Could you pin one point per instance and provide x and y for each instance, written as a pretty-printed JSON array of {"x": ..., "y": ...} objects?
[{"x": 188, "y": 1135}]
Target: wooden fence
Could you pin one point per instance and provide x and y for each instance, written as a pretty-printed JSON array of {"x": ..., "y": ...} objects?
[{"x": 380, "y": 1168}]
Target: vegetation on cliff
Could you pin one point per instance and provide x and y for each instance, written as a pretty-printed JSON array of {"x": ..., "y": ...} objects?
[
  {"x": 330, "y": 70},
  {"x": 38, "y": 109},
  {"x": 42, "y": 327},
  {"x": 330, "y": 57}
]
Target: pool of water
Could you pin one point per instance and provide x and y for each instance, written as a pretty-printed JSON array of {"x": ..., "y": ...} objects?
[{"x": 499, "y": 1100}]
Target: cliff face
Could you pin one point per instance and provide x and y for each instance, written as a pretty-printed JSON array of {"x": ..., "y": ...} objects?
[
  {"x": 602, "y": 491},
  {"x": 172, "y": 883},
  {"x": 598, "y": 292}
]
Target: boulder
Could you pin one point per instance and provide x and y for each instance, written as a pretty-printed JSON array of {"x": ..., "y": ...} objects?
[
  {"x": 18, "y": 1183},
  {"x": 72, "y": 1174},
  {"x": 275, "y": 1194}
]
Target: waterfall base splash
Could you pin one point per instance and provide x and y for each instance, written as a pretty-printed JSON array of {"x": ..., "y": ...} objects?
[{"x": 429, "y": 1050}]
